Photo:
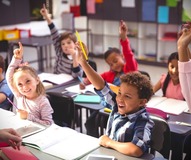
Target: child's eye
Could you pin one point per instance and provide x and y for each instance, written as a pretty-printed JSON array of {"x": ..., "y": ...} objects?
[
  {"x": 20, "y": 85},
  {"x": 28, "y": 81}
]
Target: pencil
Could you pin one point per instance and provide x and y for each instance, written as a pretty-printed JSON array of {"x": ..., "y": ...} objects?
[
  {"x": 79, "y": 39},
  {"x": 81, "y": 80},
  {"x": 12, "y": 103}
]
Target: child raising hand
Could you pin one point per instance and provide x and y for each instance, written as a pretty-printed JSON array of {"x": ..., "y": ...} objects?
[
  {"x": 129, "y": 125},
  {"x": 28, "y": 90},
  {"x": 65, "y": 50}
]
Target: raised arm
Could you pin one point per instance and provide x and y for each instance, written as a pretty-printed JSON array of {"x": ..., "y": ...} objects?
[
  {"x": 91, "y": 74},
  {"x": 131, "y": 63},
  {"x": 183, "y": 42},
  {"x": 184, "y": 64},
  {"x": 44, "y": 13}
]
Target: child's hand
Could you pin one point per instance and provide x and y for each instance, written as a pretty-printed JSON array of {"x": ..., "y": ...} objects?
[
  {"x": 82, "y": 86},
  {"x": 23, "y": 114},
  {"x": 18, "y": 52},
  {"x": 44, "y": 11},
  {"x": 80, "y": 54},
  {"x": 104, "y": 141},
  {"x": 185, "y": 38},
  {"x": 123, "y": 30}
]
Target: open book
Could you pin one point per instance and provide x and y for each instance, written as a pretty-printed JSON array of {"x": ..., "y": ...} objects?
[
  {"x": 76, "y": 89},
  {"x": 23, "y": 127},
  {"x": 168, "y": 105},
  {"x": 55, "y": 78},
  {"x": 62, "y": 142}
]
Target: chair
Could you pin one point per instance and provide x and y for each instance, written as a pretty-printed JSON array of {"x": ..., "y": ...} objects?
[
  {"x": 160, "y": 137},
  {"x": 4, "y": 47},
  {"x": 63, "y": 109},
  {"x": 93, "y": 65}
]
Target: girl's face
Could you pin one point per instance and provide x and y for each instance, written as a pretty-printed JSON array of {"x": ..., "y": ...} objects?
[
  {"x": 115, "y": 62},
  {"x": 67, "y": 46},
  {"x": 26, "y": 84},
  {"x": 128, "y": 100},
  {"x": 173, "y": 70}
]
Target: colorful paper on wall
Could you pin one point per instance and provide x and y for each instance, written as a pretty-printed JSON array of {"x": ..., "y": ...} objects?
[
  {"x": 75, "y": 10},
  {"x": 186, "y": 11},
  {"x": 171, "y": 3},
  {"x": 99, "y": 1},
  {"x": 163, "y": 14},
  {"x": 90, "y": 4},
  {"x": 149, "y": 10},
  {"x": 129, "y": 3}
]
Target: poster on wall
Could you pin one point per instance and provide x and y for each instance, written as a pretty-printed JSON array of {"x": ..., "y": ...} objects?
[{"x": 186, "y": 11}]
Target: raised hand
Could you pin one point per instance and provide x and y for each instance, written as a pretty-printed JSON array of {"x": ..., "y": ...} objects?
[
  {"x": 123, "y": 30},
  {"x": 18, "y": 52},
  {"x": 185, "y": 37},
  {"x": 80, "y": 54},
  {"x": 44, "y": 11}
]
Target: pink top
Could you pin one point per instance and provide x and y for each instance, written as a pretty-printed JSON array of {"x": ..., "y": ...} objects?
[
  {"x": 39, "y": 109},
  {"x": 172, "y": 91},
  {"x": 184, "y": 69}
]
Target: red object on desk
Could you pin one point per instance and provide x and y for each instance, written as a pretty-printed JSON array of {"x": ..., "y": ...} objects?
[
  {"x": 157, "y": 112},
  {"x": 15, "y": 154},
  {"x": 3, "y": 144}
]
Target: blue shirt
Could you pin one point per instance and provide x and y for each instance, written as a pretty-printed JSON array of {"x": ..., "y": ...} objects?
[
  {"x": 135, "y": 128},
  {"x": 4, "y": 88}
]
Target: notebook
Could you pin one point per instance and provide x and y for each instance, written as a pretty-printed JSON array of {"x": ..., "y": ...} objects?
[{"x": 81, "y": 98}]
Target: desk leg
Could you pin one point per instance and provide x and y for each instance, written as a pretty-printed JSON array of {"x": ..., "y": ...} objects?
[
  {"x": 40, "y": 58},
  {"x": 177, "y": 145}
]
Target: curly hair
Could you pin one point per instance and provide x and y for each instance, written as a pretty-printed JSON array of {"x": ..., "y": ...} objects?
[
  {"x": 141, "y": 82},
  {"x": 27, "y": 69}
]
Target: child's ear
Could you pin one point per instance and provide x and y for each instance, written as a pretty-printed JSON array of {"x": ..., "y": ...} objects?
[{"x": 143, "y": 102}]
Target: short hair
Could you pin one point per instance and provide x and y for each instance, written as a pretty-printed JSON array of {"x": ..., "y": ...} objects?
[
  {"x": 27, "y": 69},
  {"x": 66, "y": 35},
  {"x": 2, "y": 63},
  {"x": 110, "y": 51},
  {"x": 141, "y": 82}
]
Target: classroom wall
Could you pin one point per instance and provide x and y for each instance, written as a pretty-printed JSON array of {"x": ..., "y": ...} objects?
[{"x": 40, "y": 28}]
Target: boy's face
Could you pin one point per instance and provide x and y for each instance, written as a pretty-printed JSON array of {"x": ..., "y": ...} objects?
[
  {"x": 68, "y": 46},
  {"x": 116, "y": 62},
  {"x": 173, "y": 70},
  {"x": 128, "y": 100}
]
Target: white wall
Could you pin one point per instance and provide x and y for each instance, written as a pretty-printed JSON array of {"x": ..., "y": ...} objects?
[{"x": 40, "y": 28}]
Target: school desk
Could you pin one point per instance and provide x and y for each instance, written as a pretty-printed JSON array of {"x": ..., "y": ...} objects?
[
  {"x": 87, "y": 106},
  {"x": 179, "y": 132},
  {"x": 41, "y": 44},
  {"x": 99, "y": 151}
]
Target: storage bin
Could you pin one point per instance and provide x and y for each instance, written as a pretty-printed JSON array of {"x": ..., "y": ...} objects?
[
  {"x": 24, "y": 33},
  {"x": 11, "y": 34}
]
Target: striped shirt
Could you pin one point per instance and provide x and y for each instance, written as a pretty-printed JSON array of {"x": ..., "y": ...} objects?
[
  {"x": 135, "y": 128},
  {"x": 62, "y": 64},
  {"x": 39, "y": 109}
]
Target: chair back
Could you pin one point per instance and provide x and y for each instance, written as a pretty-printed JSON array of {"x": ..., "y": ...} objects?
[
  {"x": 93, "y": 65},
  {"x": 63, "y": 109},
  {"x": 160, "y": 137}
]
